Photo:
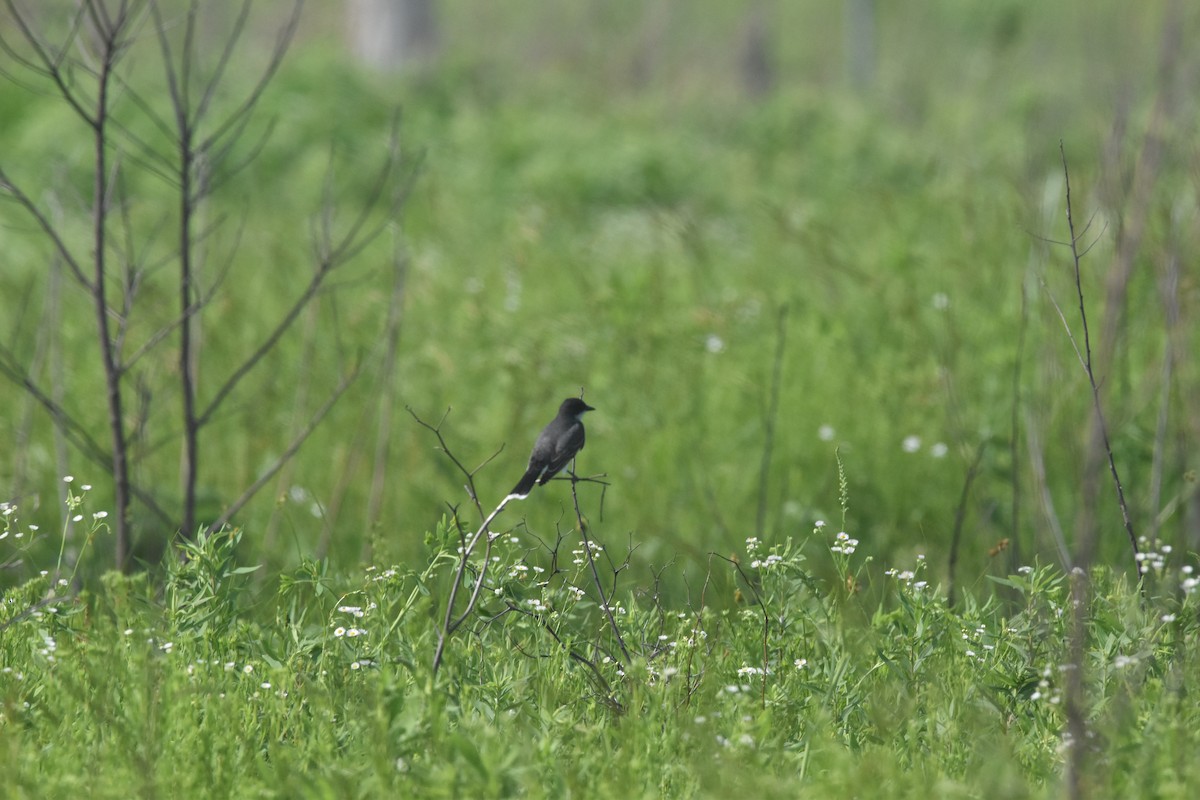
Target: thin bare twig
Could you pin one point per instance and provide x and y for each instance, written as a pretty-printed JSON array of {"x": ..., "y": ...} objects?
[
  {"x": 959, "y": 518},
  {"x": 1102, "y": 427},
  {"x": 606, "y": 694},
  {"x": 605, "y": 603}
]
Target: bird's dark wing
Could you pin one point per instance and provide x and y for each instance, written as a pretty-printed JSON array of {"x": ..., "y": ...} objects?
[{"x": 565, "y": 448}]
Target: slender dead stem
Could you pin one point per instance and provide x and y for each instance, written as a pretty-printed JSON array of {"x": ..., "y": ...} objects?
[
  {"x": 111, "y": 36},
  {"x": 450, "y": 623},
  {"x": 758, "y": 601},
  {"x": 959, "y": 517},
  {"x": 605, "y": 604},
  {"x": 1088, "y": 368}
]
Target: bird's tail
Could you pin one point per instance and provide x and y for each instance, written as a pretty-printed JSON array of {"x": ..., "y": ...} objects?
[{"x": 525, "y": 485}]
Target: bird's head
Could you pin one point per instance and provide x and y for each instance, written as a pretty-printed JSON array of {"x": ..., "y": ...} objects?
[{"x": 574, "y": 407}]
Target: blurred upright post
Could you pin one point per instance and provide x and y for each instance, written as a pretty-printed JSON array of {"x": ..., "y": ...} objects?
[
  {"x": 393, "y": 35},
  {"x": 859, "y": 26}
]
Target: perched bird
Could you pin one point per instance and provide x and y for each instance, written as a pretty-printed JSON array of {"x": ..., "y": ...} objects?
[{"x": 555, "y": 447}]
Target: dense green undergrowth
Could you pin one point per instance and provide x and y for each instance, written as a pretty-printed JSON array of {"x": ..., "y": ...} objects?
[
  {"x": 752, "y": 289},
  {"x": 196, "y": 683}
]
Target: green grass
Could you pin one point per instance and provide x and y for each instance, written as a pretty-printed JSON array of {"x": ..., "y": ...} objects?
[
  {"x": 319, "y": 684},
  {"x": 605, "y": 210}
]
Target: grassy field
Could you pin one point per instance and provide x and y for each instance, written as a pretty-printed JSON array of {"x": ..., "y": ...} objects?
[{"x": 800, "y": 313}]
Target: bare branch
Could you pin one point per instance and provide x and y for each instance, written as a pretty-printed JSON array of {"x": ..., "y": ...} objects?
[
  {"x": 331, "y": 257},
  {"x": 60, "y": 246},
  {"x": 282, "y": 43},
  {"x": 605, "y": 601},
  {"x": 1102, "y": 427}
]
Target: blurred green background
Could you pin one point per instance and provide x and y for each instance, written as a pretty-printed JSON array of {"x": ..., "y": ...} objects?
[{"x": 651, "y": 201}]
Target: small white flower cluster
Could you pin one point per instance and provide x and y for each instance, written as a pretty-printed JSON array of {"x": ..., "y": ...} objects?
[
  {"x": 523, "y": 570},
  {"x": 843, "y": 544},
  {"x": 744, "y": 671},
  {"x": 579, "y": 559},
  {"x": 1153, "y": 559},
  {"x": 976, "y": 639},
  {"x": 8, "y": 513},
  {"x": 752, "y": 545},
  {"x": 49, "y": 647},
  {"x": 746, "y": 740},
  {"x": 1045, "y": 691},
  {"x": 908, "y": 576},
  {"x": 386, "y": 574},
  {"x": 358, "y": 612}
]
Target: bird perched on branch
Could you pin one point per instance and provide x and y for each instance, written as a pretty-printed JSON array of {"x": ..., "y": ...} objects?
[{"x": 554, "y": 449}]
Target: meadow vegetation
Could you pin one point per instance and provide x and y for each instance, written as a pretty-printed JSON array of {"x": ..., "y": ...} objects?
[{"x": 832, "y": 335}]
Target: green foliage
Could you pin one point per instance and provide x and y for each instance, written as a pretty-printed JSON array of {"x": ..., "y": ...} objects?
[
  {"x": 618, "y": 216},
  {"x": 323, "y": 687}
]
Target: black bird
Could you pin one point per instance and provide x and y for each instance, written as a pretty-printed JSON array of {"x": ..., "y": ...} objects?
[{"x": 555, "y": 447}]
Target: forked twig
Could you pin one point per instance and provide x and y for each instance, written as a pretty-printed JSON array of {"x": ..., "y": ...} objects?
[{"x": 451, "y": 623}]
